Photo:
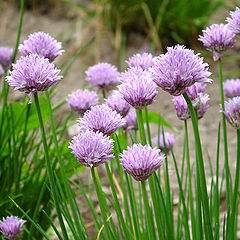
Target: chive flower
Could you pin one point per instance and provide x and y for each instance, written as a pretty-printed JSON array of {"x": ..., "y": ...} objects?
[
  {"x": 169, "y": 141},
  {"x": 102, "y": 75},
  {"x": 131, "y": 120},
  {"x": 117, "y": 102},
  {"x": 144, "y": 60},
  {"x": 232, "y": 112},
  {"x": 217, "y": 38},
  {"x": 33, "y": 73},
  {"x": 91, "y": 148},
  {"x": 233, "y": 23},
  {"x": 82, "y": 100},
  {"x": 11, "y": 227},
  {"x": 179, "y": 68},
  {"x": 101, "y": 118},
  {"x": 181, "y": 107},
  {"x": 6, "y": 56},
  {"x": 141, "y": 161},
  {"x": 42, "y": 44},
  {"x": 138, "y": 89},
  {"x": 195, "y": 89},
  {"x": 231, "y": 88}
]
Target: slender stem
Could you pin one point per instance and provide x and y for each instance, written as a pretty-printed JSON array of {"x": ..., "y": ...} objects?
[
  {"x": 141, "y": 127},
  {"x": 200, "y": 166},
  {"x": 104, "y": 94},
  {"x": 226, "y": 164},
  {"x": 148, "y": 127},
  {"x": 49, "y": 167}
]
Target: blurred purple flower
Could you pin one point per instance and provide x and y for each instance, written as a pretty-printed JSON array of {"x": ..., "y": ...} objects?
[
  {"x": 232, "y": 112},
  {"x": 1, "y": 70},
  {"x": 131, "y": 120},
  {"x": 6, "y": 56},
  {"x": 101, "y": 118},
  {"x": 144, "y": 60},
  {"x": 91, "y": 148},
  {"x": 233, "y": 23},
  {"x": 33, "y": 73},
  {"x": 169, "y": 141},
  {"x": 179, "y": 68},
  {"x": 117, "y": 103},
  {"x": 217, "y": 38},
  {"x": 195, "y": 89},
  {"x": 82, "y": 100},
  {"x": 141, "y": 161},
  {"x": 138, "y": 89},
  {"x": 232, "y": 88},
  {"x": 102, "y": 75},
  {"x": 11, "y": 227},
  {"x": 42, "y": 44}
]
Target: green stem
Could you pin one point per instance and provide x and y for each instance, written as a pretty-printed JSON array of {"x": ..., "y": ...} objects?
[
  {"x": 200, "y": 166},
  {"x": 141, "y": 127},
  {"x": 104, "y": 94},
  {"x": 49, "y": 168},
  {"x": 148, "y": 127}
]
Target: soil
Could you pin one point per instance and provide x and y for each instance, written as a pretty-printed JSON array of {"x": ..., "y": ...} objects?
[{"x": 74, "y": 31}]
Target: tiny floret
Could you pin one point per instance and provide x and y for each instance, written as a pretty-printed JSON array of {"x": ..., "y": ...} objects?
[
  {"x": 232, "y": 88},
  {"x": 82, "y": 100},
  {"x": 6, "y": 56},
  {"x": 179, "y": 68},
  {"x": 118, "y": 103},
  {"x": 217, "y": 38},
  {"x": 169, "y": 141},
  {"x": 138, "y": 89},
  {"x": 33, "y": 73},
  {"x": 141, "y": 161},
  {"x": 91, "y": 148},
  {"x": 131, "y": 120},
  {"x": 144, "y": 60},
  {"x": 233, "y": 22},
  {"x": 232, "y": 112},
  {"x": 102, "y": 75},
  {"x": 101, "y": 118},
  {"x": 11, "y": 227},
  {"x": 42, "y": 44}
]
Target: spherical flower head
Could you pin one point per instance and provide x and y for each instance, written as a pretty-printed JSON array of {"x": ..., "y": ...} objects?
[
  {"x": 11, "y": 227},
  {"x": 232, "y": 88},
  {"x": 138, "y": 89},
  {"x": 195, "y": 90},
  {"x": 181, "y": 107},
  {"x": 141, "y": 161},
  {"x": 102, "y": 75},
  {"x": 179, "y": 68},
  {"x": 6, "y": 56},
  {"x": 33, "y": 73},
  {"x": 233, "y": 23},
  {"x": 117, "y": 102},
  {"x": 1, "y": 70},
  {"x": 169, "y": 141},
  {"x": 217, "y": 38},
  {"x": 82, "y": 100},
  {"x": 91, "y": 148},
  {"x": 232, "y": 112},
  {"x": 42, "y": 44},
  {"x": 200, "y": 104},
  {"x": 131, "y": 120},
  {"x": 144, "y": 60},
  {"x": 101, "y": 118}
]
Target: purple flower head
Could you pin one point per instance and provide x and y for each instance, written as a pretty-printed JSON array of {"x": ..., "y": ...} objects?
[
  {"x": 6, "y": 56},
  {"x": 131, "y": 120},
  {"x": 141, "y": 161},
  {"x": 131, "y": 74},
  {"x": 232, "y": 112},
  {"x": 11, "y": 227},
  {"x": 117, "y": 103},
  {"x": 1, "y": 70},
  {"x": 102, "y": 75},
  {"x": 234, "y": 21},
  {"x": 195, "y": 90},
  {"x": 181, "y": 107},
  {"x": 217, "y": 38},
  {"x": 91, "y": 148},
  {"x": 33, "y": 73},
  {"x": 101, "y": 118},
  {"x": 42, "y": 44},
  {"x": 169, "y": 141},
  {"x": 82, "y": 100},
  {"x": 138, "y": 89},
  {"x": 144, "y": 60},
  {"x": 232, "y": 88},
  {"x": 200, "y": 104},
  {"x": 179, "y": 68}
]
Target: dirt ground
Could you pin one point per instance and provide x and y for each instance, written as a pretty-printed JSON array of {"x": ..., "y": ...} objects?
[{"x": 73, "y": 32}]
